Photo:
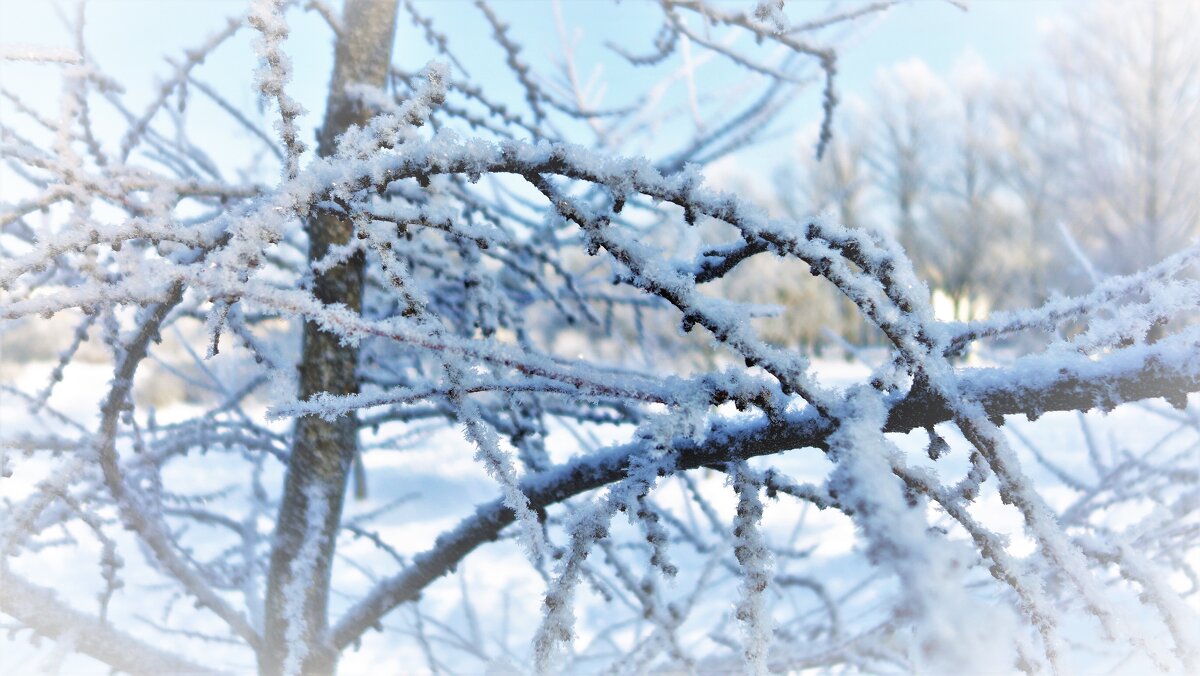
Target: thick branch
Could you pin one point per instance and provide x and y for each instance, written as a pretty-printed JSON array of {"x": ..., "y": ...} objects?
[{"x": 1169, "y": 369}]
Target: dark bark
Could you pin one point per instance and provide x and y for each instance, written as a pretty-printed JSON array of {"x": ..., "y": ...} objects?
[{"x": 323, "y": 451}]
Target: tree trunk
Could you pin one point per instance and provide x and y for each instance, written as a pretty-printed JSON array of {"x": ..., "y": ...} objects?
[{"x": 296, "y": 607}]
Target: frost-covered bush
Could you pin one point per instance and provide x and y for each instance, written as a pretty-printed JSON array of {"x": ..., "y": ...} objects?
[{"x": 397, "y": 293}]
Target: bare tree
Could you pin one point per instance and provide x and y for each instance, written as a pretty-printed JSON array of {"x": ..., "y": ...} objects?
[
  {"x": 970, "y": 233},
  {"x": 910, "y": 99},
  {"x": 1030, "y": 164},
  {"x": 423, "y": 258},
  {"x": 936, "y": 162},
  {"x": 839, "y": 183},
  {"x": 1123, "y": 95}
]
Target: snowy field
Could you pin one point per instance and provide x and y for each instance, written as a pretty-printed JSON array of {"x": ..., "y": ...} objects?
[{"x": 481, "y": 619}]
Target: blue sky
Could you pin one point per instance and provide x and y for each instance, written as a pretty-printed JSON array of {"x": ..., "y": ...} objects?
[
  {"x": 129, "y": 38},
  {"x": 1005, "y": 33}
]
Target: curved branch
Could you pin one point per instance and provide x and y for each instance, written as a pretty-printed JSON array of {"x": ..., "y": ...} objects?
[{"x": 149, "y": 526}]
